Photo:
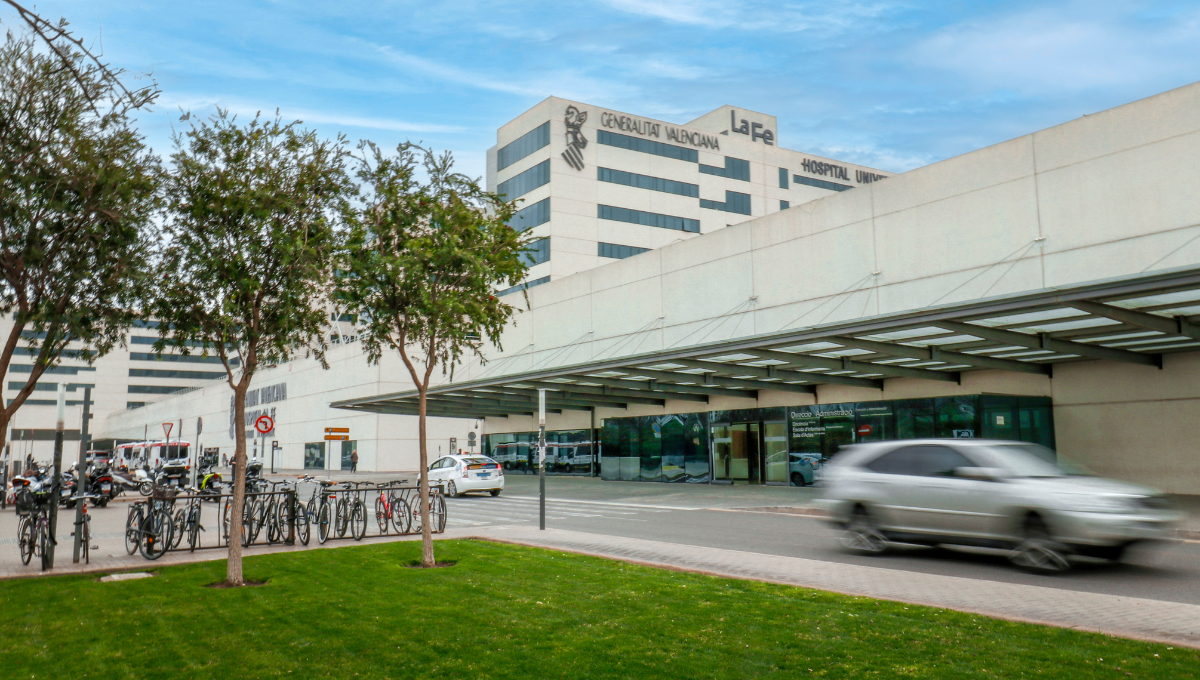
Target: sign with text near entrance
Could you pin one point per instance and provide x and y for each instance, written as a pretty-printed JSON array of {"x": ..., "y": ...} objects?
[
  {"x": 337, "y": 430},
  {"x": 337, "y": 437}
]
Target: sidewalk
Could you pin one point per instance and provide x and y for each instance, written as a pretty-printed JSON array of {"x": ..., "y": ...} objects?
[{"x": 1136, "y": 618}]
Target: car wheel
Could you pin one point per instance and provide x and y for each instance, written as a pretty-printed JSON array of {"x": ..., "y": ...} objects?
[
  {"x": 451, "y": 490},
  {"x": 862, "y": 535},
  {"x": 495, "y": 492},
  {"x": 798, "y": 479},
  {"x": 1038, "y": 551}
]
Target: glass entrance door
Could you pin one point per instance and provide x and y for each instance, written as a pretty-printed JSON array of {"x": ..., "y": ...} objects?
[{"x": 775, "y": 452}]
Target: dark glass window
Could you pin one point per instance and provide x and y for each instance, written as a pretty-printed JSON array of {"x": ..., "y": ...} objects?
[
  {"x": 160, "y": 373},
  {"x": 914, "y": 418},
  {"x": 523, "y": 146},
  {"x": 610, "y": 450},
  {"x": 190, "y": 358},
  {"x": 523, "y": 286},
  {"x": 155, "y": 389},
  {"x": 956, "y": 417},
  {"x": 531, "y": 215},
  {"x": 650, "y": 437},
  {"x": 618, "y": 252},
  {"x": 734, "y": 203},
  {"x": 735, "y": 168},
  {"x": 646, "y": 146},
  {"x": 630, "y": 179},
  {"x": 527, "y": 181},
  {"x": 784, "y": 205},
  {"x": 537, "y": 252},
  {"x": 820, "y": 183},
  {"x": 608, "y": 212},
  {"x": 903, "y": 461},
  {"x": 783, "y": 178}
]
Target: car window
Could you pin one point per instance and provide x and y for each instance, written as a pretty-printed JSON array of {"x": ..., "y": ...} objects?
[
  {"x": 924, "y": 461},
  {"x": 899, "y": 462},
  {"x": 441, "y": 464}
]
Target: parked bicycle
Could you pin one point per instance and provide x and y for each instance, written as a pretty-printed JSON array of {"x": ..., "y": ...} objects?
[
  {"x": 391, "y": 510},
  {"x": 84, "y": 526},
  {"x": 33, "y": 499},
  {"x": 149, "y": 527}
]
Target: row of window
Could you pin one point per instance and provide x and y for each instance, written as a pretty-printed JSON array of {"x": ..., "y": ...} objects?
[
  {"x": 46, "y": 387},
  {"x": 809, "y": 181},
  {"x": 531, "y": 215},
  {"x": 523, "y": 146},
  {"x": 537, "y": 252},
  {"x": 734, "y": 203},
  {"x": 646, "y": 146},
  {"x": 191, "y": 358},
  {"x": 523, "y": 286},
  {"x": 525, "y": 182},
  {"x": 63, "y": 370},
  {"x": 649, "y": 219},
  {"x": 156, "y": 389},
  {"x": 618, "y": 252},
  {"x": 667, "y": 186},
  {"x": 160, "y": 373},
  {"x": 735, "y": 168}
]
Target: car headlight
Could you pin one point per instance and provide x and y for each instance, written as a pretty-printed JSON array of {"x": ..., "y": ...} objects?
[{"x": 1090, "y": 503}]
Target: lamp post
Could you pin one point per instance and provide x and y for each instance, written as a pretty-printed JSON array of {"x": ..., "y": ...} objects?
[
  {"x": 541, "y": 460},
  {"x": 56, "y": 483},
  {"x": 85, "y": 441}
]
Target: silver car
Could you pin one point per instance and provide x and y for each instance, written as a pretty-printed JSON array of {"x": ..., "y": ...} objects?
[{"x": 997, "y": 494}]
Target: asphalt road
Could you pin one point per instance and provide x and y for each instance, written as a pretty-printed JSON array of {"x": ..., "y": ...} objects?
[
  {"x": 707, "y": 516},
  {"x": 734, "y": 518}
]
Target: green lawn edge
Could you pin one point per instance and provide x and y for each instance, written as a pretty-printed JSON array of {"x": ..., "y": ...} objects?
[{"x": 509, "y": 611}]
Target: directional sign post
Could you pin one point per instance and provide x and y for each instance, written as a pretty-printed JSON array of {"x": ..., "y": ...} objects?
[
  {"x": 337, "y": 434},
  {"x": 264, "y": 424}
]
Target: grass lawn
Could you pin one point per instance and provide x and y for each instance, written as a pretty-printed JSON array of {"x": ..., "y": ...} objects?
[{"x": 512, "y": 612}]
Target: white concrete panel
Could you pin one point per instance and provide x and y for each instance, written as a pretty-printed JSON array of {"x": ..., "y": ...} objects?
[
  {"x": 1139, "y": 123},
  {"x": 969, "y": 172}
]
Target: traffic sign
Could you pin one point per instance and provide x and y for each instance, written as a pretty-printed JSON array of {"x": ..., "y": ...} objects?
[
  {"x": 864, "y": 430},
  {"x": 337, "y": 430},
  {"x": 167, "y": 429},
  {"x": 337, "y": 437},
  {"x": 264, "y": 424}
]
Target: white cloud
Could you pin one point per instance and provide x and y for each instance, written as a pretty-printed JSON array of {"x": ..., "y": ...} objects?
[
  {"x": 201, "y": 105},
  {"x": 1069, "y": 48},
  {"x": 773, "y": 17}
]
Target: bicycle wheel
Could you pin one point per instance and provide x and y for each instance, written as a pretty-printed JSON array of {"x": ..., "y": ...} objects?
[
  {"x": 437, "y": 514},
  {"x": 401, "y": 515},
  {"x": 177, "y": 528},
  {"x": 156, "y": 534},
  {"x": 274, "y": 535},
  {"x": 342, "y": 518},
  {"x": 26, "y": 539},
  {"x": 194, "y": 527},
  {"x": 249, "y": 527},
  {"x": 323, "y": 523},
  {"x": 133, "y": 527},
  {"x": 382, "y": 517},
  {"x": 85, "y": 543},
  {"x": 358, "y": 520},
  {"x": 44, "y": 538},
  {"x": 302, "y": 524}
]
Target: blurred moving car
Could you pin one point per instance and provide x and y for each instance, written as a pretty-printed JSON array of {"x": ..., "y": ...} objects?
[
  {"x": 461, "y": 474},
  {"x": 998, "y": 494}
]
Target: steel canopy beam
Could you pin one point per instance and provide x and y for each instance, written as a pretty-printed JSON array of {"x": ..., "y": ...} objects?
[
  {"x": 1044, "y": 341},
  {"x": 558, "y": 393},
  {"x": 849, "y": 364},
  {"x": 654, "y": 387},
  {"x": 780, "y": 373},
  {"x": 614, "y": 392},
  {"x": 935, "y": 354},
  {"x": 710, "y": 379},
  {"x": 1171, "y": 326}
]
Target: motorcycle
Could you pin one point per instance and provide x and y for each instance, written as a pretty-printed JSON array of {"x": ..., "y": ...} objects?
[
  {"x": 70, "y": 484},
  {"x": 100, "y": 483},
  {"x": 174, "y": 473},
  {"x": 210, "y": 481}
]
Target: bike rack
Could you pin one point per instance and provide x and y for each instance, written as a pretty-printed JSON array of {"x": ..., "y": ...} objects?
[{"x": 212, "y": 513}]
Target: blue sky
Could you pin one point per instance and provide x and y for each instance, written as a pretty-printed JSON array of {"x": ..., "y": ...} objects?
[{"x": 893, "y": 85}]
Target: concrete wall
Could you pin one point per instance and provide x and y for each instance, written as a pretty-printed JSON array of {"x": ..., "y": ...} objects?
[{"x": 1110, "y": 194}]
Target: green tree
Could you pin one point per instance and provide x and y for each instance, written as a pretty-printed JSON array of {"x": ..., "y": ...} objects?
[
  {"x": 77, "y": 193},
  {"x": 422, "y": 258},
  {"x": 252, "y": 217}
]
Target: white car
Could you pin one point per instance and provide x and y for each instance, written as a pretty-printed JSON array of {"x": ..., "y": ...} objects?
[{"x": 460, "y": 474}]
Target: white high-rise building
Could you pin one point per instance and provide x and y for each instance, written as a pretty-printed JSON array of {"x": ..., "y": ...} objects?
[{"x": 597, "y": 184}]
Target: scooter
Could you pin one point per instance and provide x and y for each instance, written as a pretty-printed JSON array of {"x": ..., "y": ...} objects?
[
  {"x": 100, "y": 483},
  {"x": 210, "y": 482}
]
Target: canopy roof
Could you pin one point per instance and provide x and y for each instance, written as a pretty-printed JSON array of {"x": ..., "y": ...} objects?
[{"x": 1134, "y": 319}]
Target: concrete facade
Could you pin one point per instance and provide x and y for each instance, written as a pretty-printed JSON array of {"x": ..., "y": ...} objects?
[
  {"x": 1111, "y": 194},
  {"x": 574, "y": 193}
]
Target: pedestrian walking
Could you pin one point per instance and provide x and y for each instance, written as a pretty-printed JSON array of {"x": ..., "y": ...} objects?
[
  {"x": 354, "y": 460},
  {"x": 224, "y": 460}
]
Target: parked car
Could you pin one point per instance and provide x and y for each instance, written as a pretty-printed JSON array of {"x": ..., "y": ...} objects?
[
  {"x": 1000, "y": 494},
  {"x": 802, "y": 468},
  {"x": 462, "y": 474}
]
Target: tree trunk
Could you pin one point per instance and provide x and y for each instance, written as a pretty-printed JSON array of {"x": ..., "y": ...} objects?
[
  {"x": 233, "y": 572},
  {"x": 423, "y": 487}
]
